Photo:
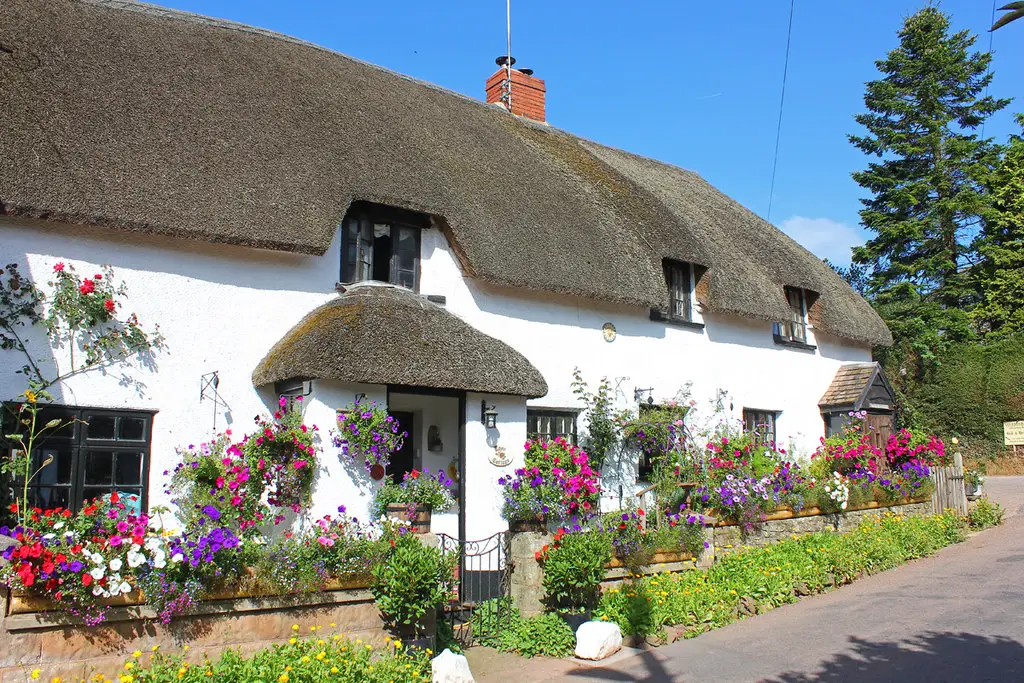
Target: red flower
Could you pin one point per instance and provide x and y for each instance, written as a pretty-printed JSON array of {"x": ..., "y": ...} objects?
[
  {"x": 97, "y": 276},
  {"x": 109, "y": 305},
  {"x": 88, "y": 286},
  {"x": 538, "y": 555},
  {"x": 114, "y": 498},
  {"x": 414, "y": 474},
  {"x": 640, "y": 512},
  {"x": 58, "y": 266}
]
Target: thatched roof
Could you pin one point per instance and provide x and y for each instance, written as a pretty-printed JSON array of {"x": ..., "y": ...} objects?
[
  {"x": 384, "y": 334},
  {"x": 135, "y": 117},
  {"x": 851, "y": 385}
]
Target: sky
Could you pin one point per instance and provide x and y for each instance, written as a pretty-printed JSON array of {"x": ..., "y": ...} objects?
[{"x": 695, "y": 84}]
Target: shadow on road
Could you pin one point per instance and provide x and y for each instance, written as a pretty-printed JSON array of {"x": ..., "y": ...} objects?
[{"x": 928, "y": 657}]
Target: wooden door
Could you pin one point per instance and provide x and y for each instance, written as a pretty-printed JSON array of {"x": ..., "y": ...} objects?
[{"x": 880, "y": 427}]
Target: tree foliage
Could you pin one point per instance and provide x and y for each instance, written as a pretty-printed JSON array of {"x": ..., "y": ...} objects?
[
  {"x": 1001, "y": 277},
  {"x": 927, "y": 187}
]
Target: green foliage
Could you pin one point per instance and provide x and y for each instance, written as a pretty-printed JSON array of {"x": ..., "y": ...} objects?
[
  {"x": 498, "y": 624},
  {"x": 762, "y": 578},
  {"x": 974, "y": 389},
  {"x": 928, "y": 187},
  {"x": 574, "y": 567},
  {"x": 602, "y": 431},
  {"x": 984, "y": 513},
  {"x": 411, "y": 580},
  {"x": 492, "y": 618},
  {"x": 416, "y": 489},
  {"x": 306, "y": 660},
  {"x": 1001, "y": 276}
]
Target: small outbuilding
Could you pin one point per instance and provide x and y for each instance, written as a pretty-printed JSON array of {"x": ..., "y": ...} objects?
[{"x": 857, "y": 387}]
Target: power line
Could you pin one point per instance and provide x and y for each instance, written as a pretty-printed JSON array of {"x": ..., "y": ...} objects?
[{"x": 782, "y": 102}]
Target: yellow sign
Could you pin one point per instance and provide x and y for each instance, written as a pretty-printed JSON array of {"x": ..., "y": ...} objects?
[{"x": 1013, "y": 433}]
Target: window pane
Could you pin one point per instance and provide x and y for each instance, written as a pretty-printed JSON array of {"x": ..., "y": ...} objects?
[
  {"x": 90, "y": 493},
  {"x": 128, "y": 470},
  {"x": 406, "y": 253},
  {"x": 100, "y": 427},
  {"x": 50, "y": 496},
  {"x": 131, "y": 429},
  {"x": 58, "y": 471},
  {"x": 99, "y": 468}
]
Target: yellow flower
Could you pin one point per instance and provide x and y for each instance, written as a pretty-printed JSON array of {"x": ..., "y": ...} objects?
[
  {"x": 305, "y": 659},
  {"x": 292, "y": 641},
  {"x": 56, "y": 679},
  {"x": 209, "y": 673},
  {"x": 137, "y": 654},
  {"x": 186, "y": 648},
  {"x": 333, "y": 624},
  {"x": 31, "y": 397},
  {"x": 125, "y": 678},
  {"x": 334, "y": 669},
  {"x": 35, "y": 673},
  {"x": 283, "y": 678},
  {"x": 155, "y": 648},
  {"x": 182, "y": 671},
  {"x": 312, "y": 629},
  {"x": 295, "y": 627},
  {"x": 129, "y": 665},
  {"x": 320, "y": 655}
]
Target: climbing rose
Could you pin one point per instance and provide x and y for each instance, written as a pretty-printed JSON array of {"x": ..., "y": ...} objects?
[{"x": 88, "y": 286}]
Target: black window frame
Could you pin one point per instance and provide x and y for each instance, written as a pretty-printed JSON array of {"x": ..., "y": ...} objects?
[
  {"x": 534, "y": 414},
  {"x": 754, "y": 418},
  {"x": 358, "y": 243},
  {"x": 794, "y": 331},
  {"x": 79, "y": 447}
]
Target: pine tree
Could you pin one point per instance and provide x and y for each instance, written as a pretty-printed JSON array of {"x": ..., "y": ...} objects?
[
  {"x": 927, "y": 189},
  {"x": 1001, "y": 278}
]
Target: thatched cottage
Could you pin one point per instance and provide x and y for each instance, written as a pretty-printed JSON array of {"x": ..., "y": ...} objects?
[{"x": 248, "y": 188}]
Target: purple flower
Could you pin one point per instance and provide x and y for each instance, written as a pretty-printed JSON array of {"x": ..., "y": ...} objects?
[{"x": 212, "y": 512}]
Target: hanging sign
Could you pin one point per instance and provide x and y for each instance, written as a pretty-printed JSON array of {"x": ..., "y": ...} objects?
[
  {"x": 500, "y": 458},
  {"x": 1013, "y": 433}
]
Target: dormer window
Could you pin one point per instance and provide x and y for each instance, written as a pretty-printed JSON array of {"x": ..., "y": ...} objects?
[
  {"x": 680, "y": 278},
  {"x": 793, "y": 330},
  {"x": 382, "y": 243}
]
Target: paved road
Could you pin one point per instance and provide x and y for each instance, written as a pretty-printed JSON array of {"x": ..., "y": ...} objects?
[{"x": 956, "y": 616}]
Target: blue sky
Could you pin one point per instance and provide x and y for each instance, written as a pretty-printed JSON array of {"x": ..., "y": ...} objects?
[{"x": 693, "y": 84}]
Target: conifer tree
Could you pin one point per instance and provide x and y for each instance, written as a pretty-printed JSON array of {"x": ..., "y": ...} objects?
[
  {"x": 928, "y": 185},
  {"x": 1001, "y": 277}
]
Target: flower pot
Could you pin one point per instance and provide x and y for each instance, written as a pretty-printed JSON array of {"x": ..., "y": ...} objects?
[
  {"x": 575, "y": 620},
  {"x": 973, "y": 491},
  {"x": 537, "y": 523},
  {"x": 418, "y": 516}
]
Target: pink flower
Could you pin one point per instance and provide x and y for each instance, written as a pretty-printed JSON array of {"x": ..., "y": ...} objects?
[
  {"x": 283, "y": 401},
  {"x": 299, "y": 464},
  {"x": 88, "y": 286},
  {"x": 58, "y": 266},
  {"x": 220, "y": 482}
]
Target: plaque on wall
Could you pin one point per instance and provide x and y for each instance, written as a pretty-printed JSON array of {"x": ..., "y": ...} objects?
[{"x": 500, "y": 458}]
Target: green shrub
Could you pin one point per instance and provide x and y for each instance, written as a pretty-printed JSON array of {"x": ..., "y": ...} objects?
[
  {"x": 543, "y": 635},
  {"x": 763, "y": 578},
  {"x": 574, "y": 567},
  {"x": 984, "y": 513},
  {"x": 412, "y": 580}
]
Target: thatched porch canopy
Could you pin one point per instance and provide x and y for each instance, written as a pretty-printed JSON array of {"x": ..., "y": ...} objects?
[{"x": 383, "y": 334}]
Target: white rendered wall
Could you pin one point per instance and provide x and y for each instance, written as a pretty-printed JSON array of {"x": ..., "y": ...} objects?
[{"x": 222, "y": 307}]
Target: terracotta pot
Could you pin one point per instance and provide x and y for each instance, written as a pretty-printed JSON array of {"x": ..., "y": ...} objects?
[
  {"x": 538, "y": 523},
  {"x": 418, "y": 516}
]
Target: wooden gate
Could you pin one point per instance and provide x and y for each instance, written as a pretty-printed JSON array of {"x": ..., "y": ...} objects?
[{"x": 949, "y": 491}]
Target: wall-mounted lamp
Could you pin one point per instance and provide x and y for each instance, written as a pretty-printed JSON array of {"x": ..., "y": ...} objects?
[
  {"x": 638, "y": 395},
  {"x": 488, "y": 416},
  {"x": 360, "y": 398}
]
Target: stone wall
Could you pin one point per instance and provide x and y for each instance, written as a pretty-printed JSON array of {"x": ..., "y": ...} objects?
[
  {"x": 60, "y": 646},
  {"x": 527, "y": 575},
  {"x": 728, "y": 538}
]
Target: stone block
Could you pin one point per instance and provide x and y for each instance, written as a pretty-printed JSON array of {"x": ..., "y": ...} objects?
[
  {"x": 598, "y": 639},
  {"x": 449, "y": 667}
]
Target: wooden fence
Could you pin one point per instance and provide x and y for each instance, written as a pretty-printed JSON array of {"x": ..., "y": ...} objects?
[{"x": 949, "y": 491}]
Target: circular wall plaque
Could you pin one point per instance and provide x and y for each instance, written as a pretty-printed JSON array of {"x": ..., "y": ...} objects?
[
  {"x": 500, "y": 458},
  {"x": 377, "y": 472},
  {"x": 608, "y": 330}
]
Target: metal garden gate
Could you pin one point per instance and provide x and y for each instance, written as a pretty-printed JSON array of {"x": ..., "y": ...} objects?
[{"x": 483, "y": 599}]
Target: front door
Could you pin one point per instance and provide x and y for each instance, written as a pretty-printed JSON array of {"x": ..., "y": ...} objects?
[
  {"x": 880, "y": 426},
  {"x": 402, "y": 460}
]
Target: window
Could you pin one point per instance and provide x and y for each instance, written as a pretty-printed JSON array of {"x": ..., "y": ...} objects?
[
  {"x": 655, "y": 414},
  {"x": 760, "y": 423},
  {"x": 383, "y": 244},
  {"x": 679, "y": 277},
  {"x": 99, "y": 452},
  {"x": 545, "y": 425},
  {"x": 794, "y": 329}
]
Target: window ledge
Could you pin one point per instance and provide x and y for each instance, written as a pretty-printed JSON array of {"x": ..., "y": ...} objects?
[
  {"x": 790, "y": 343},
  {"x": 662, "y": 317}
]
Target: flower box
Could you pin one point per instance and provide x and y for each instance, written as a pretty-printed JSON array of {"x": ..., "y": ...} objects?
[
  {"x": 417, "y": 516},
  {"x": 537, "y": 524},
  {"x": 815, "y": 511},
  {"x": 24, "y": 602},
  {"x": 660, "y": 557}
]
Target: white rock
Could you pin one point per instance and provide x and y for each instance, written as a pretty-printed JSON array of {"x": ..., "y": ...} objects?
[
  {"x": 598, "y": 639},
  {"x": 449, "y": 667}
]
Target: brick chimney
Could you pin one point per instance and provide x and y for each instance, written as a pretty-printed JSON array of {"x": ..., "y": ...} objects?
[{"x": 527, "y": 91}]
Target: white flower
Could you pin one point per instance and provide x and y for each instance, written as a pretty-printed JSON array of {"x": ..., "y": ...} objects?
[
  {"x": 159, "y": 559},
  {"x": 48, "y": 537},
  {"x": 125, "y": 587},
  {"x": 152, "y": 543},
  {"x": 135, "y": 559},
  {"x": 96, "y": 573},
  {"x": 97, "y": 591},
  {"x": 115, "y": 564},
  {"x": 58, "y": 526},
  {"x": 135, "y": 548},
  {"x": 177, "y": 557}
]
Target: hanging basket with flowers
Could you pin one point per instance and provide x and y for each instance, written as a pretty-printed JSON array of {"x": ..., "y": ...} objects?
[{"x": 368, "y": 433}]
